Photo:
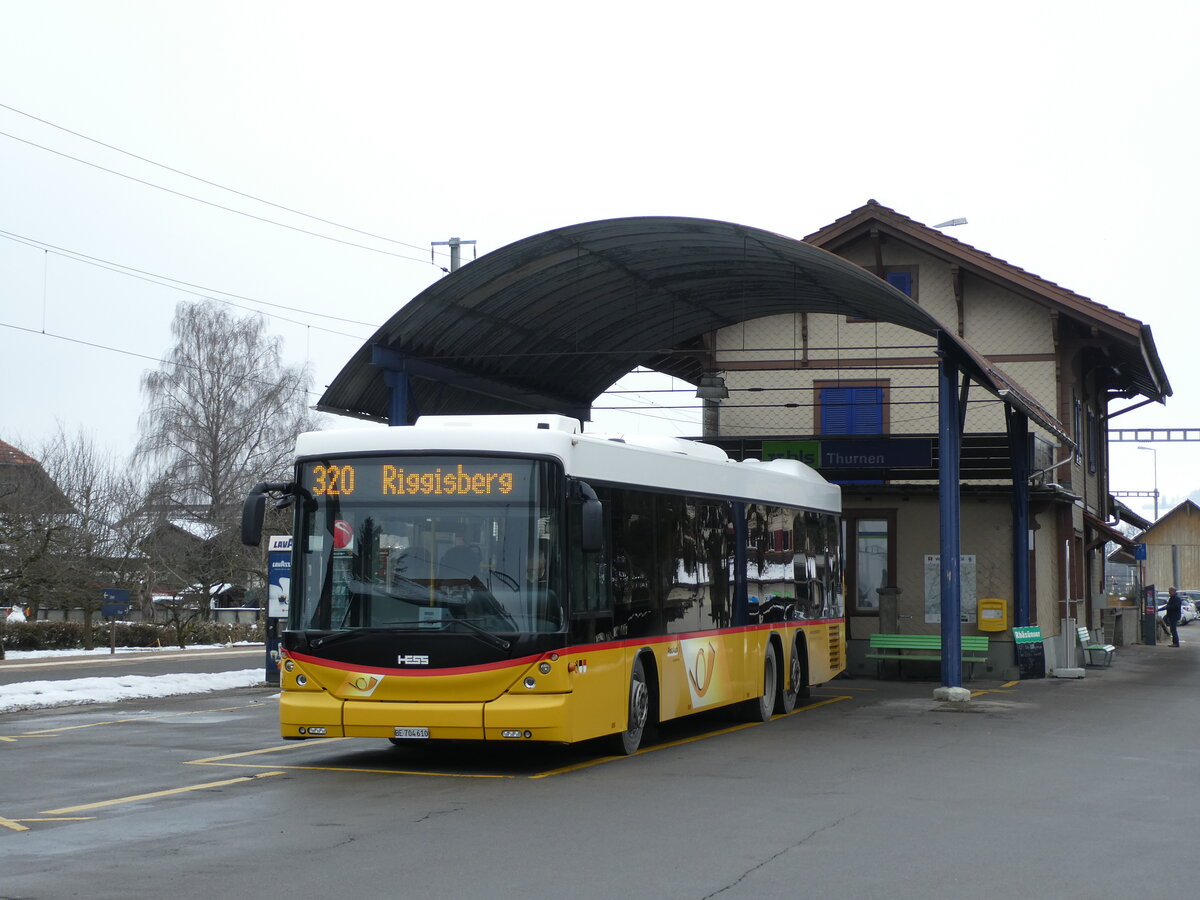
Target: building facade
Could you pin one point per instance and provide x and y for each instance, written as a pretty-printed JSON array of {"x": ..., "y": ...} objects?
[
  {"x": 858, "y": 399},
  {"x": 1173, "y": 549}
]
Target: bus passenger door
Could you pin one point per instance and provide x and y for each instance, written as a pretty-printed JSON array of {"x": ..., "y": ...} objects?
[{"x": 598, "y": 669}]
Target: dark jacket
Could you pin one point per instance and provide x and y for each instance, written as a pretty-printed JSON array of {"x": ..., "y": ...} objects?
[{"x": 1174, "y": 609}]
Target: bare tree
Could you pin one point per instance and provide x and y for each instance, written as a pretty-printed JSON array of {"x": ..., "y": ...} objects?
[
  {"x": 222, "y": 413},
  {"x": 61, "y": 526},
  {"x": 35, "y": 521},
  {"x": 100, "y": 549}
]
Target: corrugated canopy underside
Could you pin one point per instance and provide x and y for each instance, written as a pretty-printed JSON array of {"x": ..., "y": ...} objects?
[{"x": 551, "y": 321}]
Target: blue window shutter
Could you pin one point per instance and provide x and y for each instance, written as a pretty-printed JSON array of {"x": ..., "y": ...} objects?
[
  {"x": 868, "y": 410},
  {"x": 835, "y": 411},
  {"x": 852, "y": 410},
  {"x": 901, "y": 281}
]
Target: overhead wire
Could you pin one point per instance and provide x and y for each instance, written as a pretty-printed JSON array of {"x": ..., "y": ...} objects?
[
  {"x": 180, "y": 285},
  {"x": 191, "y": 288},
  {"x": 222, "y": 187},
  {"x": 97, "y": 346},
  {"x": 220, "y": 206}
]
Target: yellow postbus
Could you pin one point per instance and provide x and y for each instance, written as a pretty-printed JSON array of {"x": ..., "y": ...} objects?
[{"x": 511, "y": 578}]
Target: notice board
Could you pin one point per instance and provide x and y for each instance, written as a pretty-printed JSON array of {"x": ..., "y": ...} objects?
[{"x": 1031, "y": 652}]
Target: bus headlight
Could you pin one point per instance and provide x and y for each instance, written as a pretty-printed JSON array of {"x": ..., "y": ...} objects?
[
  {"x": 544, "y": 668},
  {"x": 530, "y": 682}
]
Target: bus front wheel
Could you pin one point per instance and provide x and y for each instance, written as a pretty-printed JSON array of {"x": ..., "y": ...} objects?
[
  {"x": 759, "y": 709},
  {"x": 627, "y": 742}
]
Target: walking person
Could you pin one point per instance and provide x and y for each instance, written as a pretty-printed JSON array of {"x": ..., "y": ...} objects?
[{"x": 1172, "y": 615}]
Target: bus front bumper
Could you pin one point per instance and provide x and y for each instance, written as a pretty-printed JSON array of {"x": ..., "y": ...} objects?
[{"x": 537, "y": 717}]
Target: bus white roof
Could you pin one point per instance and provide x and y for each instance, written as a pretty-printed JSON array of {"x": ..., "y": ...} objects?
[{"x": 654, "y": 461}]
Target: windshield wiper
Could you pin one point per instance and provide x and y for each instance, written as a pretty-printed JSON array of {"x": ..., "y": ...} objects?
[
  {"x": 494, "y": 639},
  {"x": 334, "y": 638}
]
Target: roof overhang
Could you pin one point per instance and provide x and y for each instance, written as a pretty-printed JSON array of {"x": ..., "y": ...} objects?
[
  {"x": 1107, "y": 532},
  {"x": 1127, "y": 344},
  {"x": 550, "y": 322}
]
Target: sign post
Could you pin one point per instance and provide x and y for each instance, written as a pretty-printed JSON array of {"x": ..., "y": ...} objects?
[
  {"x": 279, "y": 579},
  {"x": 1149, "y": 616},
  {"x": 113, "y": 602}
]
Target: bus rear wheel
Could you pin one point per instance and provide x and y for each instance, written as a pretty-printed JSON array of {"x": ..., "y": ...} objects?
[
  {"x": 793, "y": 685},
  {"x": 627, "y": 742},
  {"x": 759, "y": 709}
]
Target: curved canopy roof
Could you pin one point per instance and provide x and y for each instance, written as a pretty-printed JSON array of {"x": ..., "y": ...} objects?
[{"x": 551, "y": 321}]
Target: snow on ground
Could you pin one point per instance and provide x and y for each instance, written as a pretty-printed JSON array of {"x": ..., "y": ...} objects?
[{"x": 38, "y": 694}]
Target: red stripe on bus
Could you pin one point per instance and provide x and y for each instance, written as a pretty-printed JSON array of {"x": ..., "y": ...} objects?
[{"x": 562, "y": 651}]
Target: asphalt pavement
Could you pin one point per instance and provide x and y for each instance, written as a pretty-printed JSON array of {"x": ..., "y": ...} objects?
[{"x": 871, "y": 789}]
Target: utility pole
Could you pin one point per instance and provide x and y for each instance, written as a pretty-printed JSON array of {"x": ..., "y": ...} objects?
[{"x": 454, "y": 243}]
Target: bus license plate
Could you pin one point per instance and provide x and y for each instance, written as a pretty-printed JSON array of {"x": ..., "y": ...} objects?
[{"x": 413, "y": 733}]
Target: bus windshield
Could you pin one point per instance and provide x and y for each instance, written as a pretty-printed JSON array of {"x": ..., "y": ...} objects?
[{"x": 428, "y": 543}]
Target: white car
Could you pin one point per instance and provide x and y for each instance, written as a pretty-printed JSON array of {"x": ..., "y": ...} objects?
[
  {"x": 1187, "y": 606},
  {"x": 1193, "y": 597}
]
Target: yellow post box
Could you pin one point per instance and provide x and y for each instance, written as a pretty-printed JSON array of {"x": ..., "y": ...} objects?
[{"x": 993, "y": 614}]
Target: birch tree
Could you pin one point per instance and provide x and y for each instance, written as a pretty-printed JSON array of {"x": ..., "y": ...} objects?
[{"x": 222, "y": 413}]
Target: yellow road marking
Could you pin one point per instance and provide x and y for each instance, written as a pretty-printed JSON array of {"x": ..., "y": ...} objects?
[
  {"x": 426, "y": 773},
  {"x": 844, "y": 687},
  {"x": 222, "y": 761},
  {"x": 12, "y": 823},
  {"x": 227, "y": 759},
  {"x": 214, "y": 760},
  {"x": 156, "y": 794},
  {"x": 57, "y": 819},
  {"x": 999, "y": 690},
  {"x": 575, "y": 767}
]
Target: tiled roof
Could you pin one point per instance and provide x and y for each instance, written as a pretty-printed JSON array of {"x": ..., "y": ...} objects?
[
  {"x": 1144, "y": 369},
  {"x": 11, "y": 455},
  {"x": 965, "y": 252}
]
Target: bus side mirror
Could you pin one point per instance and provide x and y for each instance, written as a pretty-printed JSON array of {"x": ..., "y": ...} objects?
[
  {"x": 254, "y": 510},
  {"x": 591, "y": 531}
]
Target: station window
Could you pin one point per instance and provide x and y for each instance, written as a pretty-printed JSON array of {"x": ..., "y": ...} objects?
[
  {"x": 852, "y": 408},
  {"x": 870, "y": 542},
  {"x": 902, "y": 278}
]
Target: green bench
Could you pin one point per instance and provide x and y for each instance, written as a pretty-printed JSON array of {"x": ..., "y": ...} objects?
[
  {"x": 1091, "y": 647},
  {"x": 924, "y": 647}
]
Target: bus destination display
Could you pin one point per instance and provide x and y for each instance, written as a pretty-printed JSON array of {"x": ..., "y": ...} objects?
[{"x": 419, "y": 479}]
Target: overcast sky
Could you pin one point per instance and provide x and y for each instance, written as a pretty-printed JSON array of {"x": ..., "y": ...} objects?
[{"x": 1066, "y": 133}]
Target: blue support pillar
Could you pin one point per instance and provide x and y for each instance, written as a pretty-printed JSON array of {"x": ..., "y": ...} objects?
[
  {"x": 398, "y": 409},
  {"x": 1018, "y": 442},
  {"x": 949, "y": 458}
]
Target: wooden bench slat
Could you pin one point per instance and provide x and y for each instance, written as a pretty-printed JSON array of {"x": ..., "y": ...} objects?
[
  {"x": 900, "y": 647},
  {"x": 1091, "y": 646}
]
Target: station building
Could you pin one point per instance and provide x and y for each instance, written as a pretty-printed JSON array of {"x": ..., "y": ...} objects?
[
  {"x": 1173, "y": 549},
  {"x": 833, "y": 350},
  {"x": 857, "y": 399}
]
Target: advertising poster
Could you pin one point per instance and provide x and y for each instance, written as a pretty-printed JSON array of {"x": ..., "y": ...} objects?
[
  {"x": 933, "y": 588},
  {"x": 279, "y": 575}
]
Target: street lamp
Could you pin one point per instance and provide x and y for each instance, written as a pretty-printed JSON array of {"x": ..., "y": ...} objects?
[{"x": 1155, "y": 452}]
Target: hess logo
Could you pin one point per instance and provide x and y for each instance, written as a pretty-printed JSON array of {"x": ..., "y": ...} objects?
[{"x": 413, "y": 659}]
